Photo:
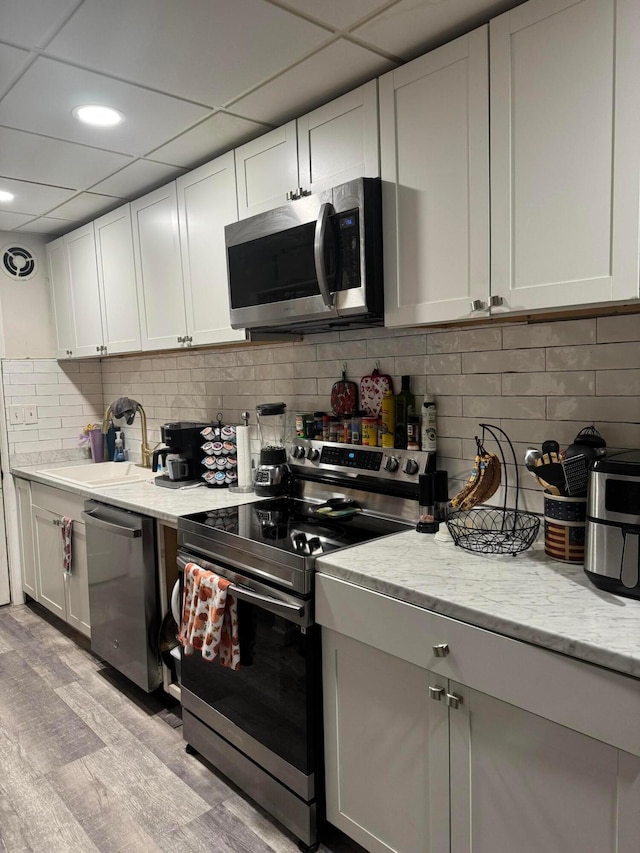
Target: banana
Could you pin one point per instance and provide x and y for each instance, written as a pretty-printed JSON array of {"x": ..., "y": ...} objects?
[
  {"x": 488, "y": 483},
  {"x": 478, "y": 471}
]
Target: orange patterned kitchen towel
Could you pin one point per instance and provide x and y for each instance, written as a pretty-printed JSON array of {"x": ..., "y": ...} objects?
[
  {"x": 209, "y": 617},
  {"x": 66, "y": 526}
]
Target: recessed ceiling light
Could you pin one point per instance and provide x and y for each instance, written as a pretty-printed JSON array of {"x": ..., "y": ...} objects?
[
  {"x": 6, "y": 196},
  {"x": 98, "y": 116}
]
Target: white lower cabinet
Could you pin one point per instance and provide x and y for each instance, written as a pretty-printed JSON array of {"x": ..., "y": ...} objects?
[
  {"x": 25, "y": 531},
  {"x": 66, "y": 594},
  {"x": 419, "y": 760}
]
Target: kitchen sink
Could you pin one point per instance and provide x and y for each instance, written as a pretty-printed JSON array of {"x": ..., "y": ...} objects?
[{"x": 101, "y": 474}]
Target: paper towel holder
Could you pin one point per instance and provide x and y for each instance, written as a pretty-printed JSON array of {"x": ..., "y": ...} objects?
[{"x": 234, "y": 487}]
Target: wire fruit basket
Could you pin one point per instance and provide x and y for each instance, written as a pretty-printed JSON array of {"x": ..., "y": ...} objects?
[{"x": 494, "y": 530}]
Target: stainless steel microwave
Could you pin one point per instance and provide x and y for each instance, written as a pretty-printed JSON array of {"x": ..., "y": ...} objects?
[{"x": 312, "y": 264}]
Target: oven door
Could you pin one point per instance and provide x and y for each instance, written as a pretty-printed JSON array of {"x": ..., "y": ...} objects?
[{"x": 270, "y": 708}]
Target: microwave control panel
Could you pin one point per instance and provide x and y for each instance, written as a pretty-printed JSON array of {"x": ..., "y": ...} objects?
[{"x": 349, "y": 248}]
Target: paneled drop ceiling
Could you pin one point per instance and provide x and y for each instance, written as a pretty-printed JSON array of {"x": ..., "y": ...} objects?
[{"x": 193, "y": 78}]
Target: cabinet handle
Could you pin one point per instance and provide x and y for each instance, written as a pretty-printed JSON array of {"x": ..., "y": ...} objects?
[
  {"x": 496, "y": 301},
  {"x": 436, "y": 693},
  {"x": 98, "y": 349},
  {"x": 56, "y": 522},
  {"x": 304, "y": 192},
  {"x": 476, "y": 305},
  {"x": 189, "y": 339},
  {"x": 454, "y": 701},
  {"x": 441, "y": 650},
  {"x": 180, "y": 340}
]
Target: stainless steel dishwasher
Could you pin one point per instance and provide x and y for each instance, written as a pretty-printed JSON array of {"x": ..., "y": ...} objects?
[{"x": 123, "y": 591}]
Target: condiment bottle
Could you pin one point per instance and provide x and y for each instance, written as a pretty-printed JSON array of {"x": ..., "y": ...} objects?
[
  {"x": 429, "y": 432},
  {"x": 388, "y": 419},
  {"x": 405, "y": 407}
]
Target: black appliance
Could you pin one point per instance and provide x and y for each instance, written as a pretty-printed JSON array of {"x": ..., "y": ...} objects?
[
  {"x": 315, "y": 263},
  {"x": 262, "y": 725},
  {"x": 183, "y": 441},
  {"x": 612, "y": 536}
]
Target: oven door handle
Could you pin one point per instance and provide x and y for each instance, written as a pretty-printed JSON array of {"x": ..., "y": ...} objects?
[
  {"x": 273, "y": 604},
  {"x": 318, "y": 253}
]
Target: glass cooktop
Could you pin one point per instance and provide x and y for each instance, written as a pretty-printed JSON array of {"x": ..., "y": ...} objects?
[{"x": 296, "y": 526}]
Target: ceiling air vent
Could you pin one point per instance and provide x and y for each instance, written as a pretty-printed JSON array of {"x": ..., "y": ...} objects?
[{"x": 18, "y": 263}]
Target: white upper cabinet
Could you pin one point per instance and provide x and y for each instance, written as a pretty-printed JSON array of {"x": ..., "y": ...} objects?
[
  {"x": 266, "y": 170},
  {"x": 156, "y": 247},
  {"x": 565, "y": 142},
  {"x": 329, "y": 146},
  {"x": 117, "y": 280},
  {"x": 434, "y": 140},
  {"x": 60, "y": 297},
  {"x": 339, "y": 141},
  {"x": 207, "y": 202}
]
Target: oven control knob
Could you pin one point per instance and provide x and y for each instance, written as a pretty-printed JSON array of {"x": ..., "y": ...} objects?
[
  {"x": 314, "y": 544},
  {"x": 391, "y": 464},
  {"x": 410, "y": 467},
  {"x": 298, "y": 452},
  {"x": 313, "y": 453}
]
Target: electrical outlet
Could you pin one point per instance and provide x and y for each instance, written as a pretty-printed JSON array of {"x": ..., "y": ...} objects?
[
  {"x": 31, "y": 414},
  {"x": 16, "y": 414}
]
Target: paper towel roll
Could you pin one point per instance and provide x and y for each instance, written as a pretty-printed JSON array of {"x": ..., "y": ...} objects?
[{"x": 245, "y": 479}]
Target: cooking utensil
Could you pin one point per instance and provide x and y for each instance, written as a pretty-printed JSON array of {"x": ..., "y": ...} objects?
[
  {"x": 590, "y": 437},
  {"x": 551, "y": 476},
  {"x": 550, "y": 446},
  {"x": 341, "y": 508},
  {"x": 531, "y": 456},
  {"x": 576, "y": 475}
]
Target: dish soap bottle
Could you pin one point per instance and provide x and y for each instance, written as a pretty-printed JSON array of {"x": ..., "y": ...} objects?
[{"x": 118, "y": 455}]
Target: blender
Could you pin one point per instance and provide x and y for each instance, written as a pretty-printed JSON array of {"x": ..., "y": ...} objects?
[{"x": 272, "y": 473}]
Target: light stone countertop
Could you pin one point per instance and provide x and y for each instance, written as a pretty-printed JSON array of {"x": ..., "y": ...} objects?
[
  {"x": 143, "y": 496},
  {"x": 529, "y": 597}
]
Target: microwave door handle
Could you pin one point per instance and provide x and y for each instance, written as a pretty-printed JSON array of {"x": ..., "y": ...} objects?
[{"x": 318, "y": 253}]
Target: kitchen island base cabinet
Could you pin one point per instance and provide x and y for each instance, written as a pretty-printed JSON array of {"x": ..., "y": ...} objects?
[{"x": 417, "y": 760}]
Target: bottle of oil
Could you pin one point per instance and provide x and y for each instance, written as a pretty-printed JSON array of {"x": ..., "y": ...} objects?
[
  {"x": 405, "y": 408},
  {"x": 429, "y": 434},
  {"x": 388, "y": 419}
]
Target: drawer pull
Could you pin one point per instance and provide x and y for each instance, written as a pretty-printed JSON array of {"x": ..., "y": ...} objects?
[
  {"x": 453, "y": 700},
  {"x": 441, "y": 650},
  {"x": 436, "y": 693}
]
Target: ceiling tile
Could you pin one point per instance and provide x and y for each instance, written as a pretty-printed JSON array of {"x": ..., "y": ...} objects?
[
  {"x": 34, "y": 198},
  {"x": 86, "y": 206},
  {"x": 30, "y": 157},
  {"x": 213, "y": 136},
  {"x": 9, "y": 221},
  {"x": 43, "y": 99},
  {"x": 413, "y": 27},
  {"x": 337, "y": 13},
  {"x": 332, "y": 71},
  {"x": 138, "y": 178},
  {"x": 47, "y": 225},
  {"x": 11, "y": 58},
  {"x": 30, "y": 22},
  {"x": 204, "y": 51}
]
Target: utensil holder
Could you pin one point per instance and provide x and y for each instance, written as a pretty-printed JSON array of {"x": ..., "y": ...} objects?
[{"x": 564, "y": 528}]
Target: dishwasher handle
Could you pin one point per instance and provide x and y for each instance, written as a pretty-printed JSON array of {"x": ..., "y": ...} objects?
[{"x": 118, "y": 529}]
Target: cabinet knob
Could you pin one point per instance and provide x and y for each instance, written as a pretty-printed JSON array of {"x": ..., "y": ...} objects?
[
  {"x": 454, "y": 701},
  {"x": 441, "y": 650},
  {"x": 98, "y": 349},
  {"x": 495, "y": 301},
  {"x": 476, "y": 305},
  {"x": 436, "y": 693},
  {"x": 181, "y": 340},
  {"x": 189, "y": 339}
]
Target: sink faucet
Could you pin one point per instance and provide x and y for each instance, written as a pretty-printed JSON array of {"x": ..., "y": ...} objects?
[{"x": 145, "y": 451}]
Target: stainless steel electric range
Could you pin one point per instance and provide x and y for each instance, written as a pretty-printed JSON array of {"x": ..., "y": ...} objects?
[{"x": 262, "y": 725}]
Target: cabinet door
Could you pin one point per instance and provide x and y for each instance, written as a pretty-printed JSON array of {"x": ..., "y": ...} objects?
[
  {"x": 77, "y": 582},
  {"x": 60, "y": 297},
  {"x": 386, "y": 749},
  {"x": 565, "y": 136},
  {"x": 266, "y": 170},
  {"x": 156, "y": 247},
  {"x": 207, "y": 201},
  {"x": 80, "y": 249},
  {"x": 434, "y": 140},
  {"x": 25, "y": 529},
  {"x": 48, "y": 548},
  {"x": 339, "y": 141},
  {"x": 117, "y": 279},
  {"x": 521, "y": 782}
]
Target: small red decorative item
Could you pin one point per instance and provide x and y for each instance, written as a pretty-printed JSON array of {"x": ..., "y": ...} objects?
[
  {"x": 344, "y": 395},
  {"x": 372, "y": 390}
]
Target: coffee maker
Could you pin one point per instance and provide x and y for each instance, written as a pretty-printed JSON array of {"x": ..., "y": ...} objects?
[
  {"x": 181, "y": 455},
  {"x": 272, "y": 473}
]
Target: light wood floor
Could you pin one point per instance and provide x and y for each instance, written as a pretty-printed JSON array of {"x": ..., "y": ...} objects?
[{"x": 88, "y": 762}]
